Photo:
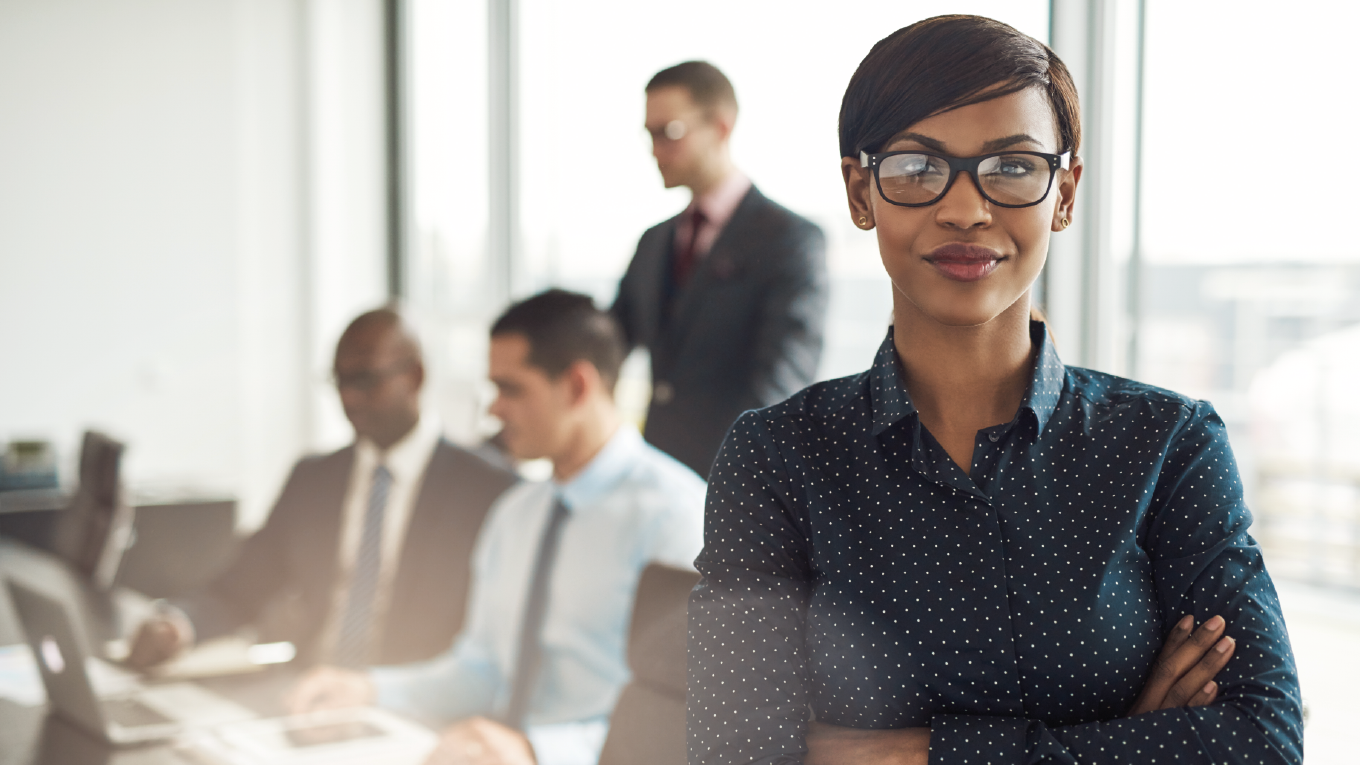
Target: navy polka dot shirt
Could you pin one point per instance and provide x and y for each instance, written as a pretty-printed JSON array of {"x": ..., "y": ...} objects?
[{"x": 854, "y": 572}]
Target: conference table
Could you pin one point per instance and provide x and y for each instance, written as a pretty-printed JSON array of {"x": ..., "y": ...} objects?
[{"x": 30, "y": 736}]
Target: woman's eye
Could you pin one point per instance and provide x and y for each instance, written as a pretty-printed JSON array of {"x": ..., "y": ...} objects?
[
  {"x": 907, "y": 166},
  {"x": 1012, "y": 167}
]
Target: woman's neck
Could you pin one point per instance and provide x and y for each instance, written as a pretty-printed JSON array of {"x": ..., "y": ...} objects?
[{"x": 963, "y": 379}]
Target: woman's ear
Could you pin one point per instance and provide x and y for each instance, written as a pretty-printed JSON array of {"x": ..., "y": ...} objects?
[
  {"x": 858, "y": 188},
  {"x": 1064, "y": 211}
]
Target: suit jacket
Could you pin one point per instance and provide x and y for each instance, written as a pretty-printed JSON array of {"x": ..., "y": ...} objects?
[
  {"x": 286, "y": 573},
  {"x": 744, "y": 332}
]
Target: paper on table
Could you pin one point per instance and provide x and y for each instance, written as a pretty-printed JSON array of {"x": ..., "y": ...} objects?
[
  {"x": 223, "y": 656},
  {"x": 19, "y": 678}
]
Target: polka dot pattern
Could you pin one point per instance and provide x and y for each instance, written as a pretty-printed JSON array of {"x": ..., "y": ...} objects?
[{"x": 851, "y": 569}]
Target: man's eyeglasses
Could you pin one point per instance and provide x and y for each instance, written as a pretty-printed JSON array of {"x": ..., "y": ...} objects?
[
  {"x": 1006, "y": 179},
  {"x": 368, "y": 379},
  {"x": 670, "y": 132}
]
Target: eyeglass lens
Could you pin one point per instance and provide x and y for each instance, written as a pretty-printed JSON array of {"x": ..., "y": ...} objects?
[{"x": 1008, "y": 179}]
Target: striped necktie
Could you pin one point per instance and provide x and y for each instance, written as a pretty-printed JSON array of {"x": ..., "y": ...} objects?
[
  {"x": 529, "y": 660},
  {"x": 356, "y": 628}
]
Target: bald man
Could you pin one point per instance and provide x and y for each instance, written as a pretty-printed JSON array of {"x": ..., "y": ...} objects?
[{"x": 365, "y": 558}]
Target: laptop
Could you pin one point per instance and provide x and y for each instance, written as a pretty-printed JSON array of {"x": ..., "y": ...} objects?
[{"x": 101, "y": 698}]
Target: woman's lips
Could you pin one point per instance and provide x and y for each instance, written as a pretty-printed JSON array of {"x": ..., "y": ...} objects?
[{"x": 964, "y": 262}]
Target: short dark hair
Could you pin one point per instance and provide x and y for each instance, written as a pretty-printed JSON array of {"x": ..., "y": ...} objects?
[
  {"x": 562, "y": 328},
  {"x": 708, "y": 86},
  {"x": 944, "y": 63}
]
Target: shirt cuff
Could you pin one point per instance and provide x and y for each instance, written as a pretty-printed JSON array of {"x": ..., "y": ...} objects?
[
  {"x": 390, "y": 688},
  {"x": 573, "y": 743},
  {"x": 981, "y": 739}
]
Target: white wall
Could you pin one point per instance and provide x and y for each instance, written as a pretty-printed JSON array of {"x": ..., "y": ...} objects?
[{"x": 188, "y": 214}]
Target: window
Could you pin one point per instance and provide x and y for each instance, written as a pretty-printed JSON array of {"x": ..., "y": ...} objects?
[{"x": 1250, "y": 294}]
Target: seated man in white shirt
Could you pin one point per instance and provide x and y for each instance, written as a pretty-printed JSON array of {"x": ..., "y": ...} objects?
[{"x": 534, "y": 675}]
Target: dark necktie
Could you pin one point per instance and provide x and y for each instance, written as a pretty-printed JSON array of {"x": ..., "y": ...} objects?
[
  {"x": 686, "y": 258},
  {"x": 356, "y": 628},
  {"x": 529, "y": 659}
]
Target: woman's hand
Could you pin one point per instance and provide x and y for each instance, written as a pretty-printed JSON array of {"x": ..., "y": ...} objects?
[
  {"x": 1184, "y": 673},
  {"x": 834, "y": 745}
]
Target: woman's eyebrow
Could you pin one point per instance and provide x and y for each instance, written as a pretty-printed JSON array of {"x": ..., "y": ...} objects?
[
  {"x": 996, "y": 144},
  {"x": 924, "y": 140},
  {"x": 1008, "y": 141}
]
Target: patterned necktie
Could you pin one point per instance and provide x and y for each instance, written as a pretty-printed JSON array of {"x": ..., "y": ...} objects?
[
  {"x": 356, "y": 629},
  {"x": 529, "y": 659},
  {"x": 686, "y": 258}
]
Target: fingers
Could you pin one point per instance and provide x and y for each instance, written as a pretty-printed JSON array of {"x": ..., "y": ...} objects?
[
  {"x": 1185, "y": 651},
  {"x": 326, "y": 688},
  {"x": 156, "y": 640},
  {"x": 1197, "y": 680},
  {"x": 461, "y": 744},
  {"x": 479, "y": 741},
  {"x": 1204, "y": 696},
  {"x": 300, "y": 698},
  {"x": 1179, "y": 634}
]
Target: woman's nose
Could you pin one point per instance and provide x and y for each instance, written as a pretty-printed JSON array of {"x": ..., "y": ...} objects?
[{"x": 963, "y": 206}]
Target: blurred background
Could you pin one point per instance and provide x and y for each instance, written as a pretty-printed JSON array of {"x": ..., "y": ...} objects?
[{"x": 197, "y": 195}]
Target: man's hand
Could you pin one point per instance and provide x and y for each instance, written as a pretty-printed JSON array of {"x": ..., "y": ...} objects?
[
  {"x": 834, "y": 745},
  {"x": 330, "y": 688},
  {"x": 1184, "y": 673},
  {"x": 159, "y": 639},
  {"x": 479, "y": 741}
]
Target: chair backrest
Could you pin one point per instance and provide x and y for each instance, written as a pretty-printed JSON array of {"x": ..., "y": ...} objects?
[
  {"x": 648, "y": 724},
  {"x": 93, "y": 530}
]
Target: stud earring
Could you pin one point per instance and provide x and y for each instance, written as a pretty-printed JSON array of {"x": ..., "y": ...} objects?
[
  {"x": 863, "y": 221},
  {"x": 1065, "y": 222}
]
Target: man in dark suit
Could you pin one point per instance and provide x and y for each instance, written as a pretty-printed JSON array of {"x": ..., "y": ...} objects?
[
  {"x": 730, "y": 295},
  {"x": 365, "y": 557}
]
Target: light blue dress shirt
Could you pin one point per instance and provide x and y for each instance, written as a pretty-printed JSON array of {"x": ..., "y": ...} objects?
[{"x": 631, "y": 505}]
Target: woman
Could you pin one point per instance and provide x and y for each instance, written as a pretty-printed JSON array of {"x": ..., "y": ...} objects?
[{"x": 971, "y": 552}]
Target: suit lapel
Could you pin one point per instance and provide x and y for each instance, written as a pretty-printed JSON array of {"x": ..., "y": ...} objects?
[
  {"x": 329, "y": 501},
  {"x": 657, "y": 280}
]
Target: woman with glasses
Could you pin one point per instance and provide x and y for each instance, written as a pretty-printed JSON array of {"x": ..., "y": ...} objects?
[{"x": 972, "y": 553}]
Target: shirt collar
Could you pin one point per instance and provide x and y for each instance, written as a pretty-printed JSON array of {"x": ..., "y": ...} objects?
[
  {"x": 406, "y": 459},
  {"x": 891, "y": 402},
  {"x": 720, "y": 203},
  {"x": 604, "y": 470}
]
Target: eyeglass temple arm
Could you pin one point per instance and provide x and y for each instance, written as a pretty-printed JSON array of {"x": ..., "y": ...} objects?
[{"x": 864, "y": 159}]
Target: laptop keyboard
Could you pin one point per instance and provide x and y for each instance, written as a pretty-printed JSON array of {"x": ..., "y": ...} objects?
[{"x": 131, "y": 713}]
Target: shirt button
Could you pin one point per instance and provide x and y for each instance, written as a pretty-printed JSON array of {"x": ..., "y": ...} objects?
[
  {"x": 662, "y": 393},
  {"x": 994, "y": 437}
]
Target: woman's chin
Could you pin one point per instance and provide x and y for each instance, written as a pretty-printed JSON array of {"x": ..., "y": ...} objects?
[{"x": 956, "y": 316}]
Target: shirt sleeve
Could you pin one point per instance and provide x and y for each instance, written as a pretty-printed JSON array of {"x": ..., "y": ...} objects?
[
  {"x": 679, "y": 535},
  {"x": 257, "y": 573},
  {"x": 1204, "y": 563},
  {"x": 458, "y": 683},
  {"x": 747, "y": 615}
]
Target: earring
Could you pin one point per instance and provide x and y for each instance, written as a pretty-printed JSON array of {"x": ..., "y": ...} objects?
[
  {"x": 863, "y": 221},
  {"x": 1065, "y": 222}
]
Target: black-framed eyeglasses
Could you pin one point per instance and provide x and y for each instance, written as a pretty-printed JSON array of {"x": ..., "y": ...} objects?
[{"x": 1006, "y": 178}]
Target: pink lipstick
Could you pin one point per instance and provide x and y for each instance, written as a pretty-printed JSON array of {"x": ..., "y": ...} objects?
[{"x": 964, "y": 262}]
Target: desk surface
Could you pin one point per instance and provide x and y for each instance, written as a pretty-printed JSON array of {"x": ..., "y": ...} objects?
[{"x": 29, "y": 736}]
